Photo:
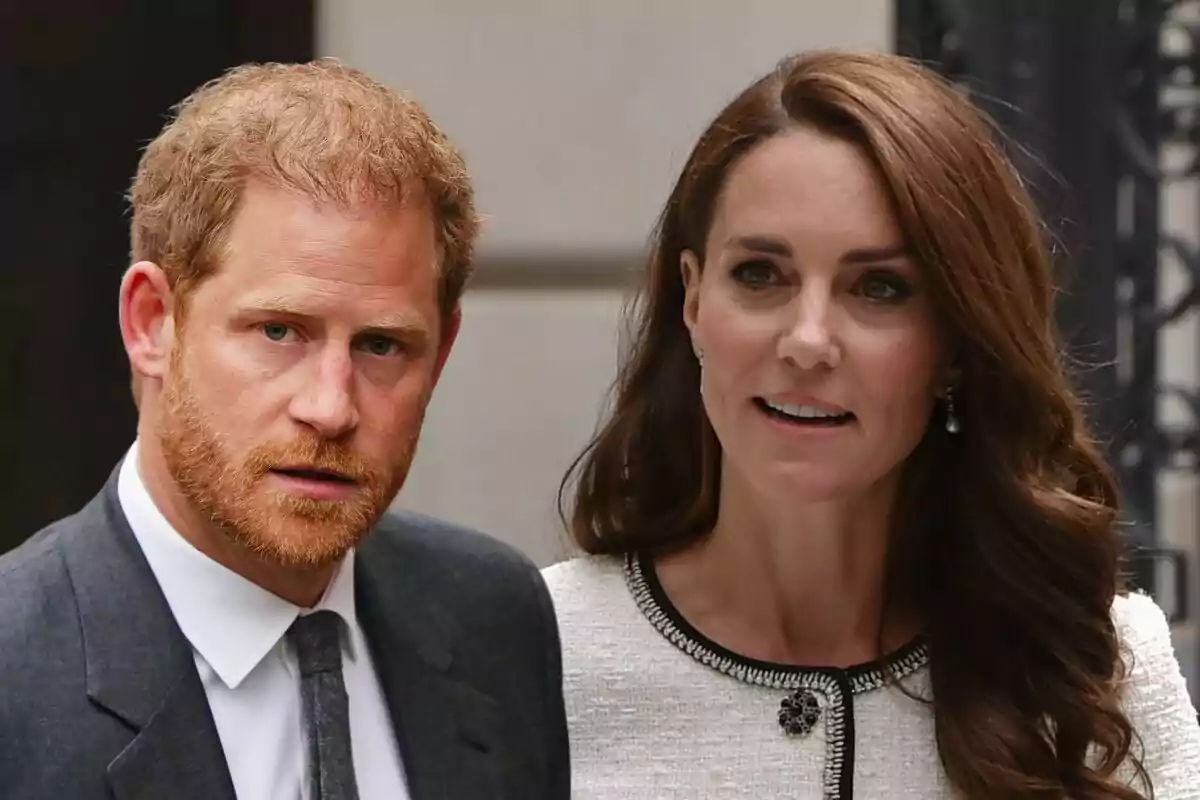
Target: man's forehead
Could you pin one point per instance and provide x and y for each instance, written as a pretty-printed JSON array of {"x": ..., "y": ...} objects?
[
  {"x": 375, "y": 243},
  {"x": 352, "y": 201},
  {"x": 321, "y": 294}
]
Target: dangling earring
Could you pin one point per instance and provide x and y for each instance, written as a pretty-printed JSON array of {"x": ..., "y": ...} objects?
[
  {"x": 952, "y": 425},
  {"x": 699, "y": 356}
]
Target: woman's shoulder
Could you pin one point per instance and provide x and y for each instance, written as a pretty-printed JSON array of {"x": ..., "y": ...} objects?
[
  {"x": 595, "y": 610},
  {"x": 586, "y": 580},
  {"x": 1154, "y": 697},
  {"x": 1138, "y": 619},
  {"x": 1145, "y": 640}
]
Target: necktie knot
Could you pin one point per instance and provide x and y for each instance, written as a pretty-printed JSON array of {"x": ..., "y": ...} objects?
[{"x": 316, "y": 638}]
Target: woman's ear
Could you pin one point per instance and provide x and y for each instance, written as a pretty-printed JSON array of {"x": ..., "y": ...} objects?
[
  {"x": 689, "y": 268},
  {"x": 951, "y": 377},
  {"x": 147, "y": 319}
]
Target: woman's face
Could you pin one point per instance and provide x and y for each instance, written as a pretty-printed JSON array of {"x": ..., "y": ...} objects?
[{"x": 822, "y": 358}]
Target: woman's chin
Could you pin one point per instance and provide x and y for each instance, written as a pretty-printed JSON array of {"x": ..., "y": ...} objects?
[{"x": 815, "y": 484}]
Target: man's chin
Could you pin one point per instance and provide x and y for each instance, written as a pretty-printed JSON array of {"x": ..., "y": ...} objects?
[
  {"x": 299, "y": 543},
  {"x": 302, "y": 556}
]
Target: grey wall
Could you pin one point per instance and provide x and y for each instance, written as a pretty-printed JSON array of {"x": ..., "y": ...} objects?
[{"x": 576, "y": 114}]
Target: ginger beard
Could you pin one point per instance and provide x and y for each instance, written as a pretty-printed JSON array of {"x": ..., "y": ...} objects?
[{"x": 278, "y": 526}]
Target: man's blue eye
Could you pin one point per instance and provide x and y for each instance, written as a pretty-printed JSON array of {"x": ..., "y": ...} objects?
[
  {"x": 275, "y": 331},
  {"x": 379, "y": 345}
]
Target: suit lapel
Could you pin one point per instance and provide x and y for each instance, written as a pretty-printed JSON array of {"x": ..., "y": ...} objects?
[
  {"x": 140, "y": 666},
  {"x": 448, "y": 732},
  {"x": 176, "y": 754}
]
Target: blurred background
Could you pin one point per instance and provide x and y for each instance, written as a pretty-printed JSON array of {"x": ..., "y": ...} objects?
[{"x": 575, "y": 117}]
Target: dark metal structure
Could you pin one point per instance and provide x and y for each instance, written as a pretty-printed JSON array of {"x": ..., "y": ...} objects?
[{"x": 1100, "y": 99}]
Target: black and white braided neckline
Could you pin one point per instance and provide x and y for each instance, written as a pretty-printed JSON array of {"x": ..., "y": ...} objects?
[
  {"x": 657, "y": 608},
  {"x": 813, "y": 692}
]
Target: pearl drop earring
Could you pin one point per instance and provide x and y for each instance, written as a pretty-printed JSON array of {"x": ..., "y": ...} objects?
[{"x": 952, "y": 423}]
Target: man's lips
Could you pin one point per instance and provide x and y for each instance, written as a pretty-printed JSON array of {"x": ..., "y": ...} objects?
[{"x": 309, "y": 473}]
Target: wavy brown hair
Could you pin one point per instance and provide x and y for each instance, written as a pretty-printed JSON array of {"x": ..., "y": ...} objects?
[{"x": 1019, "y": 565}]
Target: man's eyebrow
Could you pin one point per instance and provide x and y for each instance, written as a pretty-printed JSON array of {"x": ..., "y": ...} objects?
[{"x": 392, "y": 324}]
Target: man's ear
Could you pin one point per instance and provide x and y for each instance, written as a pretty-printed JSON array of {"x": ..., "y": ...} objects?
[
  {"x": 146, "y": 313},
  {"x": 689, "y": 269},
  {"x": 450, "y": 328}
]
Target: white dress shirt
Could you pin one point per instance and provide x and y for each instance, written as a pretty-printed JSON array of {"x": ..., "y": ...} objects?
[{"x": 236, "y": 630}]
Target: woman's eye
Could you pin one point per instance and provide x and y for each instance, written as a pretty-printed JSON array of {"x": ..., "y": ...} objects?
[
  {"x": 756, "y": 274},
  {"x": 884, "y": 288}
]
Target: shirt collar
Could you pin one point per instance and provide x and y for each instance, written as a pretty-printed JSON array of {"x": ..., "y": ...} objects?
[{"x": 230, "y": 621}]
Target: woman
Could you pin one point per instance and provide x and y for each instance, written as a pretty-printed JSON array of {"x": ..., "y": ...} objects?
[{"x": 849, "y": 535}]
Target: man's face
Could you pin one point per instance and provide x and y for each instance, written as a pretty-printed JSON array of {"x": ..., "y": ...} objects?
[{"x": 301, "y": 370}]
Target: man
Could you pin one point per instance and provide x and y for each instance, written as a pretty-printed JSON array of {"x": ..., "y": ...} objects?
[{"x": 235, "y": 615}]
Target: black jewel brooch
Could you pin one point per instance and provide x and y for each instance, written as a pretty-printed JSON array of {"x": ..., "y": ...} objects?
[{"x": 799, "y": 712}]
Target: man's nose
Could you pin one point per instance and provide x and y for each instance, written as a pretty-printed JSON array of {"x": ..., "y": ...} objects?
[{"x": 326, "y": 403}]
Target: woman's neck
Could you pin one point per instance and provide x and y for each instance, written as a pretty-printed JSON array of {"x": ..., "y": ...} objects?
[{"x": 791, "y": 583}]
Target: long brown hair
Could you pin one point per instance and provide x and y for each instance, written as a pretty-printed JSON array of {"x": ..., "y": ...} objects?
[{"x": 1019, "y": 562}]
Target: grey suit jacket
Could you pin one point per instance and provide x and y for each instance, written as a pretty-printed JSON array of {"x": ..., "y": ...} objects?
[{"x": 100, "y": 698}]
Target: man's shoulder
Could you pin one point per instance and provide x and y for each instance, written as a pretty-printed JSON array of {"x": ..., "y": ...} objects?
[
  {"x": 439, "y": 543},
  {"x": 447, "y": 559},
  {"x": 38, "y": 622},
  {"x": 40, "y": 559},
  {"x": 482, "y": 583},
  {"x": 33, "y": 567}
]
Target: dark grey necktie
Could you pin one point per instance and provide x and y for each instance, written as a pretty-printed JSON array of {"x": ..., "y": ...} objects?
[{"x": 326, "y": 709}]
